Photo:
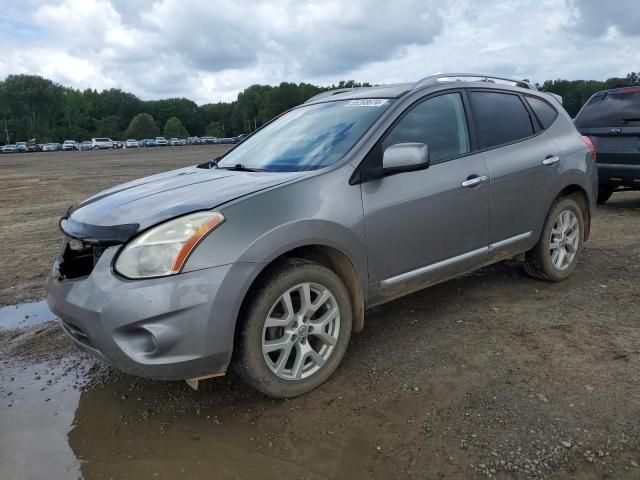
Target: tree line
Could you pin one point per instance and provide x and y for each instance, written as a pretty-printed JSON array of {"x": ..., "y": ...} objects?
[{"x": 35, "y": 107}]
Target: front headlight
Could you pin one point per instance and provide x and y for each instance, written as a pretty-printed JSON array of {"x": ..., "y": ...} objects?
[{"x": 164, "y": 249}]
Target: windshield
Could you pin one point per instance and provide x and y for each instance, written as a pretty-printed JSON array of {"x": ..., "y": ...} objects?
[
  {"x": 608, "y": 109},
  {"x": 307, "y": 138}
]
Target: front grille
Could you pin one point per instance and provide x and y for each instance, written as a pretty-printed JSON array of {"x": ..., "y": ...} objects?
[{"x": 79, "y": 263}]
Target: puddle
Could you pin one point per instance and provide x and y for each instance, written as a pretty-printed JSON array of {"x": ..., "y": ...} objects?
[
  {"x": 25, "y": 315},
  {"x": 127, "y": 427},
  {"x": 37, "y": 407}
]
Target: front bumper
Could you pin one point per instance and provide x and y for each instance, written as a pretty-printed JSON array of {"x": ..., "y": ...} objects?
[{"x": 169, "y": 328}]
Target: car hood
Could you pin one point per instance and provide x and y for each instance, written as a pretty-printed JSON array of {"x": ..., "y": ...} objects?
[{"x": 150, "y": 200}]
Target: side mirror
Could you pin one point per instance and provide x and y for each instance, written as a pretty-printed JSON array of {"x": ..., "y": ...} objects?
[{"x": 405, "y": 157}]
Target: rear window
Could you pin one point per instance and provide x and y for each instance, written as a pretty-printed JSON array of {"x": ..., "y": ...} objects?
[
  {"x": 613, "y": 108},
  {"x": 500, "y": 118}
]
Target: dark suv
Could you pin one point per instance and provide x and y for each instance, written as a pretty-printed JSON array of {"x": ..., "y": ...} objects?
[{"x": 611, "y": 118}]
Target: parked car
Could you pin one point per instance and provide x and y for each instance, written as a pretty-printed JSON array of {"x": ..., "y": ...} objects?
[
  {"x": 269, "y": 256},
  {"x": 131, "y": 143},
  {"x": 51, "y": 147},
  {"x": 194, "y": 141},
  {"x": 21, "y": 147},
  {"x": 101, "y": 143},
  {"x": 611, "y": 119},
  {"x": 32, "y": 146},
  {"x": 118, "y": 144},
  {"x": 86, "y": 145},
  {"x": 149, "y": 142},
  {"x": 161, "y": 142},
  {"x": 175, "y": 142},
  {"x": 70, "y": 145},
  {"x": 9, "y": 148}
]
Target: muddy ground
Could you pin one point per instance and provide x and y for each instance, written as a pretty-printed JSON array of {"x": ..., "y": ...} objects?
[{"x": 493, "y": 374}]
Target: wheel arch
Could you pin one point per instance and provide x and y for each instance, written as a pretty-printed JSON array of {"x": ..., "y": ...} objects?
[
  {"x": 329, "y": 257},
  {"x": 579, "y": 194}
]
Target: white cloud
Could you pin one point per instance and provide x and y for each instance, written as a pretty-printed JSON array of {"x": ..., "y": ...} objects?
[{"x": 208, "y": 50}]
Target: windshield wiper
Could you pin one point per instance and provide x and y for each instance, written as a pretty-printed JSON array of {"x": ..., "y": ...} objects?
[
  {"x": 210, "y": 164},
  {"x": 239, "y": 167}
]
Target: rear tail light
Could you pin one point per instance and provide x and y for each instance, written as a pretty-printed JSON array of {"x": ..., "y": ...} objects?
[{"x": 591, "y": 146}]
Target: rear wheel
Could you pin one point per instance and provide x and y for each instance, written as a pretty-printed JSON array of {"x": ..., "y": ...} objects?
[
  {"x": 295, "y": 329},
  {"x": 556, "y": 255},
  {"x": 604, "y": 193}
]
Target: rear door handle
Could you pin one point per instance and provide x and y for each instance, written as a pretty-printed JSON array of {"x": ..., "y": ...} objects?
[
  {"x": 551, "y": 160},
  {"x": 472, "y": 182}
]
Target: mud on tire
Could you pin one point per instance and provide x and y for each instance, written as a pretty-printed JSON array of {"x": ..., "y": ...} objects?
[
  {"x": 539, "y": 261},
  {"x": 268, "y": 300}
]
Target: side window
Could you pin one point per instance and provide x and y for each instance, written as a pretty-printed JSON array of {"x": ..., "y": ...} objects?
[
  {"x": 439, "y": 122},
  {"x": 545, "y": 112},
  {"x": 500, "y": 118}
]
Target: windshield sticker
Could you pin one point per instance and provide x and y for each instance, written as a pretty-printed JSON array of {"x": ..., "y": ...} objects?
[{"x": 367, "y": 102}]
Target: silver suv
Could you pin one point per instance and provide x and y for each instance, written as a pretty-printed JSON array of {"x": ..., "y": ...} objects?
[{"x": 267, "y": 258}]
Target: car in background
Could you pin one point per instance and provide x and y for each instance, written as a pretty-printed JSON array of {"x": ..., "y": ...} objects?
[
  {"x": 10, "y": 148},
  {"x": 21, "y": 147},
  {"x": 149, "y": 142},
  {"x": 611, "y": 119},
  {"x": 194, "y": 141},
  {"x": 32, "y": 146},
  {"x": 131, "y": 143},
  {"x": 85, "y": 145},
  {"x": 51, "y": 147},
  {"x": 161, "y": 142},
  {"x": 118, "y": 144},
  {"x": 69, "y": 145},
  {"x": 175, "y": 142},
  {"x": 101, "y": 143}
]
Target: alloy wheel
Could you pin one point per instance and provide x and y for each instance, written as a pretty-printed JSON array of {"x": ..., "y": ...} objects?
[
  {"x": 301, "y": 331},
  {"x": 565, "y": 239}
]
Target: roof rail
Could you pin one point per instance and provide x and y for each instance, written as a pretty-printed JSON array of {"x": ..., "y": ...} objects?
[
  {"x": 328, "y": 93},
  {"x": 459, "y": 77}
]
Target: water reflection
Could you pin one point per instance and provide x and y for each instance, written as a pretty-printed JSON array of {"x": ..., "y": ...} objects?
[
  {"x": 37, "y": 407},
  {"x": 25, "y": 315},
  {"x": 144, "y": 429}
]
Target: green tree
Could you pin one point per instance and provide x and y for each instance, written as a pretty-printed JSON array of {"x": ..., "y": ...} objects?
[
  {"x": 214, "y": 129},
  {"x": 31, "y": 105},
  {"x": 142, "y": 126},
  {"x": 173, "y": 128}
]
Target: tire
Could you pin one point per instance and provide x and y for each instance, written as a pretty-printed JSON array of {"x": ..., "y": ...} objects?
[
  {"x": 96, "y": 147},
  {"x": 258, "y": 367},
  {"x": 541, "y": 261},
  {"x": 604, "y": 193}
]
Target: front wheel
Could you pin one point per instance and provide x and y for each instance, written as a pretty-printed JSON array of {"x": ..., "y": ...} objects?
[
  {"x": 294, "y": 330},
  {"x": 556, "y": 254}
]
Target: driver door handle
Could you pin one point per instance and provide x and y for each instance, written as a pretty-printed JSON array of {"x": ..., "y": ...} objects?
[
  {"x": 472, "y": 182},
  {"x": 552, "y": 160}
]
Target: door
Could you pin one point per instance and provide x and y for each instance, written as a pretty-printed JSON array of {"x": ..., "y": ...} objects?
[
  {"x": 424, "y": 226},
  {"x": 524, "y": 167}
]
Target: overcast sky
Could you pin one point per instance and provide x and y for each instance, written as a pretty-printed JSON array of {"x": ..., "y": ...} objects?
[{"x": 209, "y": 50}]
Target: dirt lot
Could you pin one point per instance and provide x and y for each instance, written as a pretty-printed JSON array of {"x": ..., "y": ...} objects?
[{"x": 490, "y": 375}]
